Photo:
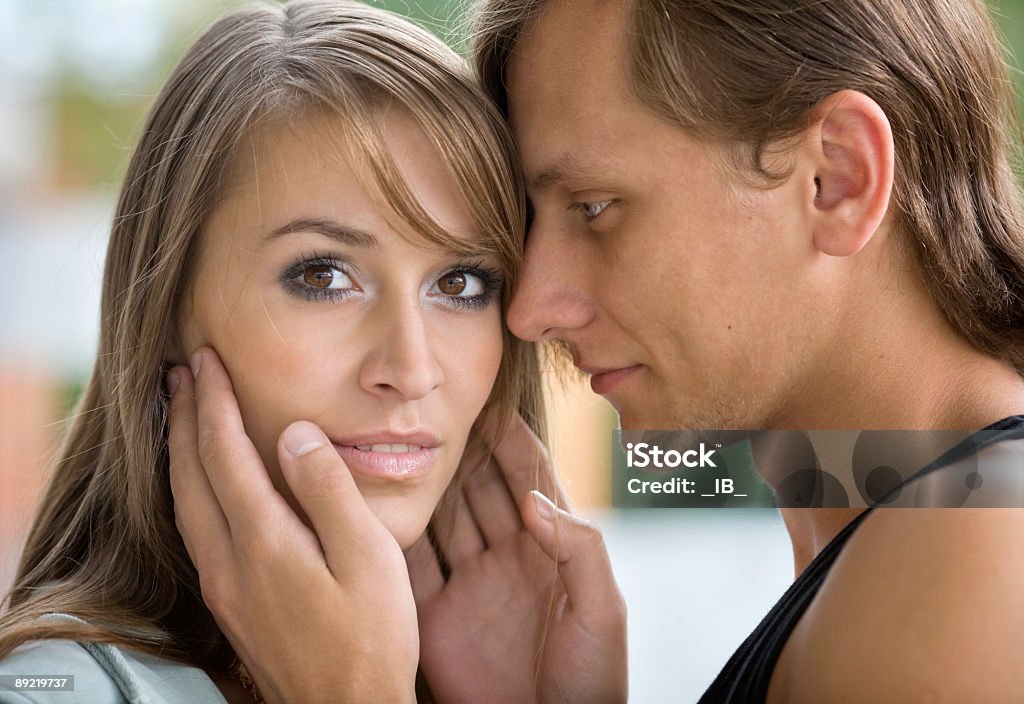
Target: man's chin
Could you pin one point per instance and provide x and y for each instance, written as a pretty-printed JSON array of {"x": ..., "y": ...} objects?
[{"x": 645, "y": 416}]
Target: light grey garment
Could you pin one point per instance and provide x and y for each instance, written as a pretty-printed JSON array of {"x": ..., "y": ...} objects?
[{"x": 105, "y": 674}]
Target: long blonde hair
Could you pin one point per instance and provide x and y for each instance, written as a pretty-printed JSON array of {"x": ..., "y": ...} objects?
[{"x": 104, "y": 545}]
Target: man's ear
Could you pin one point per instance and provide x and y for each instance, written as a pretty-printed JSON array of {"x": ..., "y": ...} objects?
[{"x": 852, "y": 151}]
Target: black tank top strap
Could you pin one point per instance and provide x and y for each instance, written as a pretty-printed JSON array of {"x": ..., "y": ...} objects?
[{"x": 747, "y": 674}]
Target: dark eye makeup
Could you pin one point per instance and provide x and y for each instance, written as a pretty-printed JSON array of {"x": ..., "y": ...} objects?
[{"x": 327, "y": 278}]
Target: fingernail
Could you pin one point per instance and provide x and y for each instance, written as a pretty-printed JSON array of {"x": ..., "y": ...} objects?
[
  {"x": 197, "y": 362},
  {"x": 171, "y": 382},
  {"x": 301, "y": 438},
  {"x": 545, "y": 508}
]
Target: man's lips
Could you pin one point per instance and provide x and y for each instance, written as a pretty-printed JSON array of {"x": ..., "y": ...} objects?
[
  {"x": 603, "y": 380},
  {"x": 389, "y": 455}
]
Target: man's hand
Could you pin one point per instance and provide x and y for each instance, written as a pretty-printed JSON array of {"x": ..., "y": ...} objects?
[
  {"x": 530, "y": 611},
  {"x": 316, "y": 617}
]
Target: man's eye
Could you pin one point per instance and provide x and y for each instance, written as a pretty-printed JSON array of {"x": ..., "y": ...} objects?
[{"x": 591, "y": 209}]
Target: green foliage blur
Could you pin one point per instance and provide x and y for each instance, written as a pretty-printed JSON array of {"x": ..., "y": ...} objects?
[{"x": 95, "y": 130}]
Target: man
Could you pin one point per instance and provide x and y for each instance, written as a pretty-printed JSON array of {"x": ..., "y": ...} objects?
[{"x": 765, "y": 215}]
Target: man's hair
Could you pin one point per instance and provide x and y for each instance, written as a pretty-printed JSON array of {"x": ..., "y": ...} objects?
[{"x": 751, "y": 73}]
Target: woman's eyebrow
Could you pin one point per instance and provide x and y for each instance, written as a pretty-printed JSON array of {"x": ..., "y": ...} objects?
[{"x": 346, "y": 235}]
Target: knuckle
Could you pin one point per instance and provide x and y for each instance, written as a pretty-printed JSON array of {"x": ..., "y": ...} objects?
[
  {"x": 618, "y": 605},
  {"x": 250, "y": 545},
  {"x": 592, "y": 535}
]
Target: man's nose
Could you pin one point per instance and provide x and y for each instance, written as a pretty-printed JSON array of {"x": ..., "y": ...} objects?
[
  {"x": 403, "y": 361},
  {"x": 551, "y": 298}
]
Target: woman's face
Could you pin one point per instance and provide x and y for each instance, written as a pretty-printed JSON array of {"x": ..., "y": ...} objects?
[{"x": 324, "y": 306}]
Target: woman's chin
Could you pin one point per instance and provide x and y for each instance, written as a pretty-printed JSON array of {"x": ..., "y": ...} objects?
[
  {"x": 406, "y": 535},
  {"x": 403, "y": 526},
  {"x": 406, "y": 517}
]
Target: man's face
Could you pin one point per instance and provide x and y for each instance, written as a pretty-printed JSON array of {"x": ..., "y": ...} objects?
[{"x": 677, "y": 283}]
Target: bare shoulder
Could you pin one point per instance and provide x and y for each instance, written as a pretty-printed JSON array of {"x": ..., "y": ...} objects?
[{"x": 921, "y": 605}]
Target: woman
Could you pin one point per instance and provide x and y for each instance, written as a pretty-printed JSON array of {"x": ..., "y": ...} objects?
[{"x": 322, "y": 196}]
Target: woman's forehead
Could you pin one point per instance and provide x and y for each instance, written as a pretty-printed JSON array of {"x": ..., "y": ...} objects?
[{"x": 311, "y": 167}]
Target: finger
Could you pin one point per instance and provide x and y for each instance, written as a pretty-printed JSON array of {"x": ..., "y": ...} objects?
[
  {"x": 233, "y": 466},
  {"x": 525, "y": 463},
  {"x": 460, "y": 540},
  {"x": 491, "y": 504},
  {"x": 578, "y": 547},
  {"x": 197, "y": 512},
  {"x": 324, "y": 488},
  {"x": 424, "y": 571}
]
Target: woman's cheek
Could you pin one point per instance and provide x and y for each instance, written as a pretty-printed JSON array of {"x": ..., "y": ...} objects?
[{"x": 479, "y": 359}]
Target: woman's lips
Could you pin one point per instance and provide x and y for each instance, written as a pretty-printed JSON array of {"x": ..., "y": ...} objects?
[{"x": 381, "y": 459}]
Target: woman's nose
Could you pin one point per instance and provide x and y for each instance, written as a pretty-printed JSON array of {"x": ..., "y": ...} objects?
[{"x": 403, "y": 361}]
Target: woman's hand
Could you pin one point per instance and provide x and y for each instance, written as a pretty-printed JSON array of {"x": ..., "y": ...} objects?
[
  {"x": 507, "y": 626},
  {"x": 316, "y": 617}
]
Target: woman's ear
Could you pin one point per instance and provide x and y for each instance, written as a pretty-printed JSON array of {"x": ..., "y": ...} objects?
[{"x": 852, "y": 150}]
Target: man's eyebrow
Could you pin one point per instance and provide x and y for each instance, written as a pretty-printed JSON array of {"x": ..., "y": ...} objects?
[
  {"x": 546, "y": 179},
  {"x": 566, "y": 166},
  {"x": 346, "y": 235}
]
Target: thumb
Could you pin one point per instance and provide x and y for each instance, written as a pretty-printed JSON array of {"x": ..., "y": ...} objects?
[
  {"x": 323, "y": 486},
  {"x": 578, "y": 548}
]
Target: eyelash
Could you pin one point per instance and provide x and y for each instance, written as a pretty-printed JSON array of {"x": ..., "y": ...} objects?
[
  {"x": 493, "y": 281},
  {"x": 581, "y": 207},
  {"x": 290, "y": 275}
]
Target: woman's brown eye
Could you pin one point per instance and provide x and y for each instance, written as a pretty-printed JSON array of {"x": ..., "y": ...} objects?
[
  {"x": 319, "y": 276},
  {"x": 452, "y": 284}
]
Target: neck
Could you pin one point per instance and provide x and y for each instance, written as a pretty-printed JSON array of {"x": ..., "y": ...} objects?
[
  {"x": 896, "y": 364},
  {"x": 811, "y": 529}
]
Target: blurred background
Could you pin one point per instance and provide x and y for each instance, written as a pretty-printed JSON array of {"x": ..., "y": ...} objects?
[{"x": 76, "y": 77}]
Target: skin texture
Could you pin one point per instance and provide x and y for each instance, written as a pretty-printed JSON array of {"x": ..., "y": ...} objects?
[
  {"x": 396, "y": 354},
  {"x": 294, "y": 601},
  {"x": 507, "y": 626},
  {"x": 664, "y": 277},
  {"x": 300, "y": 556},
  {"x": 735, "y": 305},
  {"x": 251, "y": 548}
]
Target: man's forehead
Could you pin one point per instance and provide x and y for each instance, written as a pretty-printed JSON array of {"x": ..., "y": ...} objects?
[
  {"x": 566, "y": 87},
  {"x": 568, "y": 36}
]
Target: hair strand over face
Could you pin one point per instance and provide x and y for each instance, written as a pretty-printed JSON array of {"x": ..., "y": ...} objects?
[{"x": 104, "y": 545}]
